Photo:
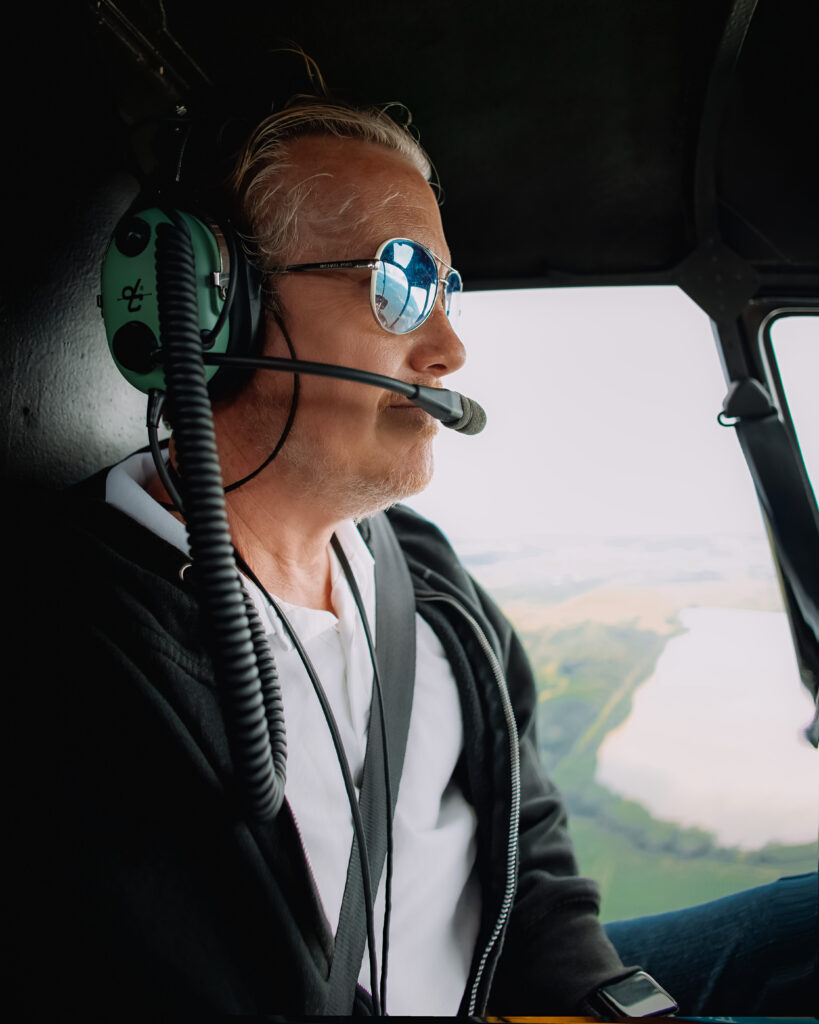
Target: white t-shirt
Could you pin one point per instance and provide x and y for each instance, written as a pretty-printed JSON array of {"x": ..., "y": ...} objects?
[{"x": 435, "y": 903}]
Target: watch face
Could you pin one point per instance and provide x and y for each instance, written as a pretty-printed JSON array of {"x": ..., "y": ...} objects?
[{"x": 638, "y": 996}]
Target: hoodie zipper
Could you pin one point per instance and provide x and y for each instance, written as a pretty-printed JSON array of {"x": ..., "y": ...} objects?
[{"x": 514, "y": 812}]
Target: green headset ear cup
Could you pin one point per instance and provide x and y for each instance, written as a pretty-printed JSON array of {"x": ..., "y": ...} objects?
[{"x": 129, "y": 295}]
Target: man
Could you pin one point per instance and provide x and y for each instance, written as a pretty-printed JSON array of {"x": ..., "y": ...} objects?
[{"x": 153, "y": 891}]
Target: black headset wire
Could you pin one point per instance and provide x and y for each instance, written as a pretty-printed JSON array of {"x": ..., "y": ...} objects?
[
  {"x": 349, "y": 785},
  {"x": 165, "y": 471},
  {"x": 174, "y": 259},
  {"x": 294, "y": 401},
  {"x": 209, "y": 337},
  {"x": 171, "y": 481}
]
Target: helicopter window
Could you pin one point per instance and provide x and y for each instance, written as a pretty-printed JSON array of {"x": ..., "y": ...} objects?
[
  {"x": 794, "y": 344},
  {"x": 616, "y": 524}
]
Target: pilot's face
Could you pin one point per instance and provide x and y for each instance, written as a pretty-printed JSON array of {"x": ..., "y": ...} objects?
[{"x": 361, "y": 447}]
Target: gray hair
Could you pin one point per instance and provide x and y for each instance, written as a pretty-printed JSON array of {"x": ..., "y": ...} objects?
[{"x": 268, "y": 205}]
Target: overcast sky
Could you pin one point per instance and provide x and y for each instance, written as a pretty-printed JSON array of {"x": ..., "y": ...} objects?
[{"x": 601, "y": 407}]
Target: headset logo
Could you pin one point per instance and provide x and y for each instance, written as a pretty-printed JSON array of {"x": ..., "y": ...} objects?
[{"x": 133, "y": 296}]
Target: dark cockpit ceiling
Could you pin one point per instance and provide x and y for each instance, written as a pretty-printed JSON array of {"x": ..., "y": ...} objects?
[
  {"x": 577, "y": 141},
  {"x": 571, "y": 136}
]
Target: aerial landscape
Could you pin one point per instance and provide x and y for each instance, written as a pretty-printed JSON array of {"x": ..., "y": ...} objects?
[{"x": 596, "y": 619}]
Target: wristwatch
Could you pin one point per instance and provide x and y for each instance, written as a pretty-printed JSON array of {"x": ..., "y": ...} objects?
[{"x": 638, "y": 995}]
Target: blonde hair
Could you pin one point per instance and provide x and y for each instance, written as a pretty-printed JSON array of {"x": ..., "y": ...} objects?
[{"x": 267, "y": 203}]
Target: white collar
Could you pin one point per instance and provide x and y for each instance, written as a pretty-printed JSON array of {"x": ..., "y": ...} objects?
[{"x": 125, "y": 489}]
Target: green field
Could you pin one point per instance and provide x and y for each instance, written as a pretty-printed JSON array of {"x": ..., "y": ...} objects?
[
  {"x": 586, "y": 677},
  {"x": 635, "y": 882}
]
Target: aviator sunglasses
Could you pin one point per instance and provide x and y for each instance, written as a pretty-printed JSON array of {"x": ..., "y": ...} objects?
[{"x": 404, "y": 284}]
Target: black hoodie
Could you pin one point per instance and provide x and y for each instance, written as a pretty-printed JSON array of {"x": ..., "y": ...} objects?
[{"x": 139, "y": 887}]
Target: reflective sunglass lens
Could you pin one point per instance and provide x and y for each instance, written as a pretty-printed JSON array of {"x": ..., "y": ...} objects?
[{"x": 405, "y": 286}]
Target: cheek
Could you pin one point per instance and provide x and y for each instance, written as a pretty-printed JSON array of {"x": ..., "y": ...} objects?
[
  {"x": 336, "y": 326},
  {"x": 325, "y": 317},
  {"x": 339, "y": 408}
]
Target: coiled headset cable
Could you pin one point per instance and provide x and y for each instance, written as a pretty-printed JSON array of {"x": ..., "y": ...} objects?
[
  {"x": 258, "y": 746},
  {"x": 244, "y": 664}
]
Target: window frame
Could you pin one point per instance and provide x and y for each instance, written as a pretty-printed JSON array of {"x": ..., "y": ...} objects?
[
  {"x": 746, "y": 350},
  {"x": 778, "y": 390}
]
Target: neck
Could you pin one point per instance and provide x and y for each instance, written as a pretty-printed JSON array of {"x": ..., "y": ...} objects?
[
  {"x": 286, "y": 547},
  {"x": 282, "y": 533}
]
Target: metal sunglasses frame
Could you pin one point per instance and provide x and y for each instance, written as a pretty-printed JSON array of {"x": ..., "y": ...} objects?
[{"x": 373, "y": 264}]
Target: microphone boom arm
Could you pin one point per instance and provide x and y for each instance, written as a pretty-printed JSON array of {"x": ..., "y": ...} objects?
[{"x": 443, "y": 405}]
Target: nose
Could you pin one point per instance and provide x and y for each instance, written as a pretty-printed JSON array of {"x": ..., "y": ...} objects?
[{"x": 435, "y": 348}]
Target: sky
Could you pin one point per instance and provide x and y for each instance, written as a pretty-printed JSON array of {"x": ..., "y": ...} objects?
[
  {"x": 602, "y": 422},
  {"x": 602, "y": 411}
]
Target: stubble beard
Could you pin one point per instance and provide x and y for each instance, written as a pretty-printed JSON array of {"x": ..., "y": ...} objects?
[{"x": 351, "y": 491}]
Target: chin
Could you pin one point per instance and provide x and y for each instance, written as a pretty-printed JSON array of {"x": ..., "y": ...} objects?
[
  {"x": 349, "y": 488},
  {"x": 398, "y": 481}
]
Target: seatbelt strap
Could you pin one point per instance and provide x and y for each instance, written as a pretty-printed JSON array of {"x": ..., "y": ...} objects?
[{"x": 395, "y": 655}]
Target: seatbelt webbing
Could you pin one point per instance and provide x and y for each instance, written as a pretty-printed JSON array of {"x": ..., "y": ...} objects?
[{"x": 395, "y": 655}]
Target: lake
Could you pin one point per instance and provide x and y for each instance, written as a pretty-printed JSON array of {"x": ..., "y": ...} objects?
[{"x": 715, "y": 737}]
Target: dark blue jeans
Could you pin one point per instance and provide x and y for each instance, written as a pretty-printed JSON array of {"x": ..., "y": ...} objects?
[{"x": 753, "y": 953}]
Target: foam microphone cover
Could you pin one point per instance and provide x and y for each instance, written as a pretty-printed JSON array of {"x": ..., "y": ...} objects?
[{"x": 473, "y": 418}]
